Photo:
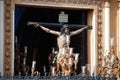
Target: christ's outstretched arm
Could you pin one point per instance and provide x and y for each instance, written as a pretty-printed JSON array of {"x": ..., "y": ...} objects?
[
  {"x": 44, "y": 28},
  {"x": 78, "y": 31},
  {"x": 49, "y": 30}
]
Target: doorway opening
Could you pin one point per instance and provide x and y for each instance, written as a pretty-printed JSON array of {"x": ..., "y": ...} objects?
[{"x": 41, "y": 43}]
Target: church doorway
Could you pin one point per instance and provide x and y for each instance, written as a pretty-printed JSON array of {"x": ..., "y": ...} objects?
[{"x": 39, "y": 43}]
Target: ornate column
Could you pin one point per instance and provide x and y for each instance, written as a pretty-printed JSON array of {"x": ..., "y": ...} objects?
[
  {"x": 118, "y": 30},
  {"x": 107, "y": 24}
]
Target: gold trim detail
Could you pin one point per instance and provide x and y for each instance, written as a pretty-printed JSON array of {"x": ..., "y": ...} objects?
[
  {"x": 99, "y": 37},
  {"x": 7, "y": 38}
]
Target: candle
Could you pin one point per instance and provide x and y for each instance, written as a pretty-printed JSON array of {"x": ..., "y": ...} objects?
[
  {"x": 70, "y": 61},
  {"x": 25, "y": 48},
  {"x": 53, "y": 70},
  {"x": 33, "y": 64},
  {"x": 71, "y": 51},
  {"x": 53, "y": 50},
  {"x": 109, "y": 71},
  {"x": 112, "y": 58},
  {"x": 60, "y": 51},
  {"x": 88, "y": 67},
  {"x": 76, "y": 57},
  {"x": 68, "y": 38},
  {"x": 83, "y": 69},
  {"x": 44, "y": 68},
  {"x": 63, "y": 51},
  {"x": 24, "y": 61},
  {"x": 58, "y": 55},
  {"x": 112, "y": 42}
]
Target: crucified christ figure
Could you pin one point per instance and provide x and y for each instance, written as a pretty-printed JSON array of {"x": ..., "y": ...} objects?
[
  {"x": 63, "y": 39},
  {"x": 63, "y": 36}
]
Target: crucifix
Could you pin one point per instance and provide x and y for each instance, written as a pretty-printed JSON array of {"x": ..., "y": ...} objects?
[{"x": 63, "y": 36}]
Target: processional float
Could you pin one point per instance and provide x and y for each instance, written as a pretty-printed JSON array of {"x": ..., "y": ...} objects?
[{"x": 66, "y": 60}]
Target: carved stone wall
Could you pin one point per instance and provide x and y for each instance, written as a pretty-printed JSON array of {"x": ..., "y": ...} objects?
[{"x": 8, "y": 18}]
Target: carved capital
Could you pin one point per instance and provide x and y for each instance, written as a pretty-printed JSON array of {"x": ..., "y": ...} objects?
[{"x": 107, "y": 4}]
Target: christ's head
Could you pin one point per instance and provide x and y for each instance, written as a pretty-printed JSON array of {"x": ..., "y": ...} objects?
[{"x": 65, "y": 30}]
